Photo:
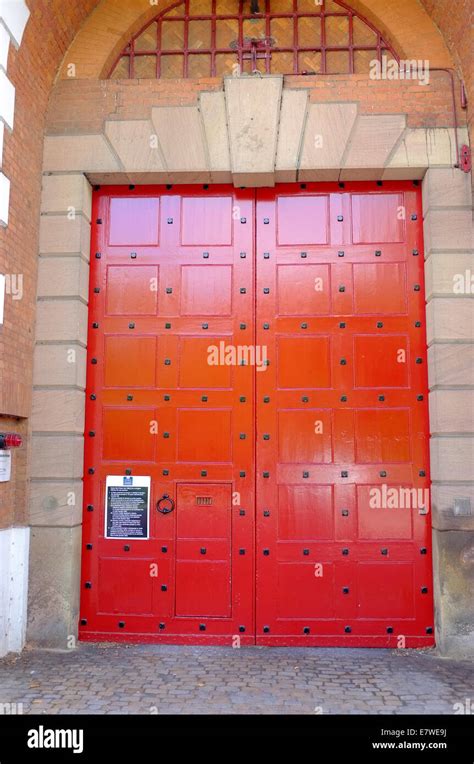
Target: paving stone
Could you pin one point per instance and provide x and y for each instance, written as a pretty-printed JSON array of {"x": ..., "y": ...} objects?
[{"x": 220, "y": 680}]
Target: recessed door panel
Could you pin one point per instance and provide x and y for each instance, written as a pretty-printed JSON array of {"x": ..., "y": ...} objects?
[
  {"x": 206, "y": 290},
  {"x": 381, "y": 360},
  {"x": 380, "y": 288},
  {"x": 302, "y": 594},
  {"x": 200, "y": 364},
  {"x": 132, "y": 291},
  {"x": 303, "y": 362},
  {"x": 128, "y": 434},
  {"x": 312, "y": 285},
  {"x": 377, "y": 218},
  {"x": 133, "y": 221},
  {"x": 305, "y": 512},
  {"x": 305, "y": 436},
  {"x": 130, "y": 361}
]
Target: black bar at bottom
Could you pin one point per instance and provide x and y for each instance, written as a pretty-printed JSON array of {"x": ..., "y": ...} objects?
[{"x": 124, "y": 738}]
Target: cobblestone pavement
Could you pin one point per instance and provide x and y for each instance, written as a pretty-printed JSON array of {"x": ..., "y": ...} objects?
[{"x": 111, "y": 679}]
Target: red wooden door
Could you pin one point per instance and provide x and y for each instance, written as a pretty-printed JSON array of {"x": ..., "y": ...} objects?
[
  {"x": 290, "y": 318},
  {"x": 171, "y": 282},
  {"x": 342, "y": 424}
]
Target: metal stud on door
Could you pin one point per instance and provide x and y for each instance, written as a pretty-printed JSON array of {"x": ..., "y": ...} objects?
[{"x": 343, "y": 529}]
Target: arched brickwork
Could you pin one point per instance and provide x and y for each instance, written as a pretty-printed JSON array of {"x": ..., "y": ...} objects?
[
  {"x": 407, "y": 26},
  {"x": 455, "y": 20}
]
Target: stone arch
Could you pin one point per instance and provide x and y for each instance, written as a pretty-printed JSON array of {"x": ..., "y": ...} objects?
[{"x": 407, "y": 26}]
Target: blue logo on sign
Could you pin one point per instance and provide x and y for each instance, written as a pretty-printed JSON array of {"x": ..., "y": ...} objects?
[{"x": 128, "y": 481}]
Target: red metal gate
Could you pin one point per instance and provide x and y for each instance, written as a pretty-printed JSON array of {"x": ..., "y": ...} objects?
[{"x": 329, "y": 381}]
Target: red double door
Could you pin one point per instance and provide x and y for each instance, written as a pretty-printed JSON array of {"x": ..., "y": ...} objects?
[{"x": 256, "y": 360}]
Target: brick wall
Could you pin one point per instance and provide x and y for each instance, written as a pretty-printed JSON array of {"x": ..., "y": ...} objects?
[
  {"x": 82, "y": 105},
  {"x": 14, "y": 493},
  {"x": 455, "y": 22},
  {"x": 32, "y": 69}
]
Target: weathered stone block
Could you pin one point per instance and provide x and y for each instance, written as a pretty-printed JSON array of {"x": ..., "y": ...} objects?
[
  {"x": 53, "y": 597},
  {"x": 453, "y": 558},
  {"x": 57, "y": 456},
  {"x": 56, "y": 504},
  {"x": 63, "y": 193}
]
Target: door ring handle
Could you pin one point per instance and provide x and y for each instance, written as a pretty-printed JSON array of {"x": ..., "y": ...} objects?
[{"x": 165, "y": 510}]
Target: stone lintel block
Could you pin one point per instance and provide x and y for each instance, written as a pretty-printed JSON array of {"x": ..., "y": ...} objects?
[
  {"x": 411, "y": 152},
  {"x": 137, "y": 145},
  {"x": 63, "y": 193},
  {"x": 61, "y": 321},
  {"x": 63, "y": 277},
  {"x": 427, "y": 147},
  {"x": 54, "y": 589},
  {"x": 452, "y": 458},
  {"x": 180, "y": 132},
  {"x": 56, "y": 504},
  {"x": 58, "y": 411},
  {"x": 97, "y": 178},
  {"x": 221, "y": 177},
  {"x": 253, "y": 108},
  {"x": 373, "y": 139},
  {"x": 286, "y": 176},
  {"x": 327, "y": 130},
  {"x": 404, "y": 173},
  {"x": 319, "y": 176},
  {"x": 366, "y": 173},
  {"x": 212, "y": 107},
  {"x": 253, "y": 180},
  {"x": 57, "y": 456},
  {"x": 79, "y": 153},
  {"x": 62, "y": 235},
  {"x": 294, "y": 104}
]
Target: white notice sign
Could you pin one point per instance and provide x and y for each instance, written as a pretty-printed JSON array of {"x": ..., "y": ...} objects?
[{"x": 127, "y": 507}]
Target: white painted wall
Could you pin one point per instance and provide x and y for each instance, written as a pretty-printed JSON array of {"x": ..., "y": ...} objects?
[{"x": 14, "y": 552}]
